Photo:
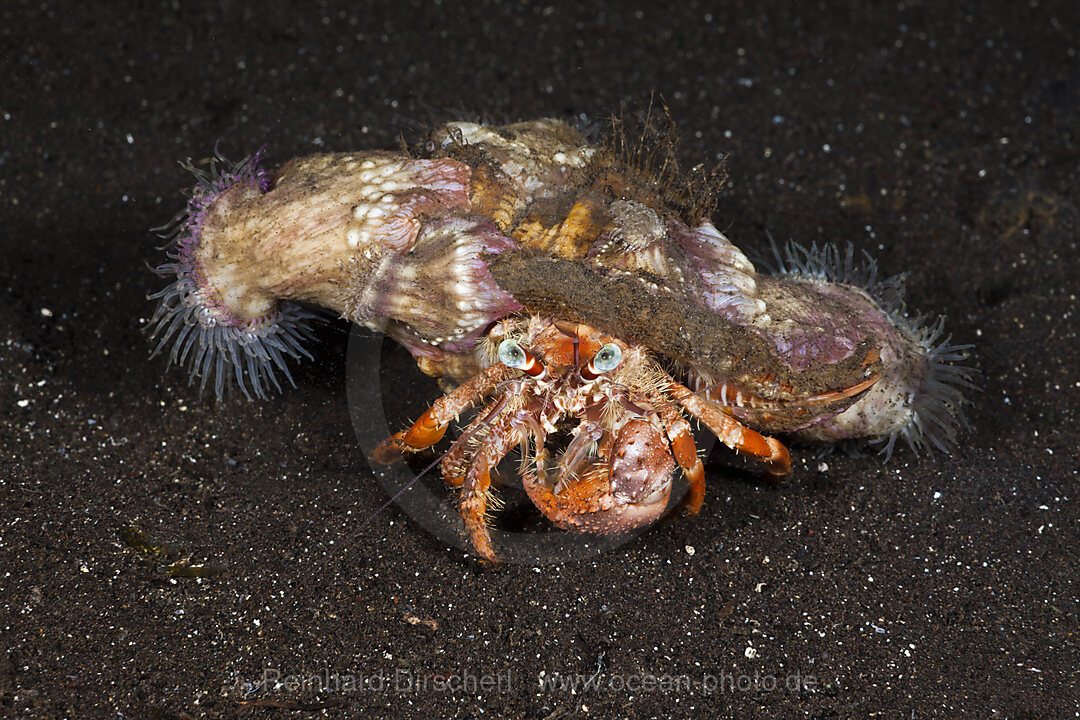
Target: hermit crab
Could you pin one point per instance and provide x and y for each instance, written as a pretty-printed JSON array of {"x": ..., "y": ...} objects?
[
  {"x": 616, "y": 472},
  {"x": 578, "y": 296}
]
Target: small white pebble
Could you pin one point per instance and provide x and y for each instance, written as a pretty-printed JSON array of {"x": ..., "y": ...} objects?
[{"x": 690, "y": 550}]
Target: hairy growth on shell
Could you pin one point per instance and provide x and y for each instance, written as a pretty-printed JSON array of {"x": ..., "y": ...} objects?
[
  {"x": 646, "y": 147},
  {"x": 206, "y": 338},
  {"x": 937, "y": 404}
]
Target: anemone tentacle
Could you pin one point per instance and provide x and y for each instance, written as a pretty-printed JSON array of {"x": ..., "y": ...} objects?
[
  {"x": 207, "y": 339},
  {"x": 937, "y": 404}
]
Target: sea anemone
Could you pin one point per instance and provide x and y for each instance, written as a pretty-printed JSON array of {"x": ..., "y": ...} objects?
[
  {"x": 383, "y": 239},
  {"x": 209, "y": 339},
  {"x": 920, "y": 395}
]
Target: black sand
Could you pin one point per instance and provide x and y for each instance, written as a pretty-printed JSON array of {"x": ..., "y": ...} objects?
[{"x": 941, "y": 140}]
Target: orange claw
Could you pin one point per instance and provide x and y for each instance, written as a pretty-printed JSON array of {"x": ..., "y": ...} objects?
[
  {"x": 431, "y": 425},
  {"x": 424, "y": 433},
  {"x": 734, "y": 434},
  {"x": 742, "y": 439},
  {"x": 779, "y": 463}
]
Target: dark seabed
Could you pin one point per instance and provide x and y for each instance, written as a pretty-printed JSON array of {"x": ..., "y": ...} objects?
[{"x": 943, "y": 141}]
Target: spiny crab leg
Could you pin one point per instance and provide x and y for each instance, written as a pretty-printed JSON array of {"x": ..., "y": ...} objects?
[
  {"x": 431, "y": 425},
  {"x": 455, "y": 462},
  {"x": 502, "y": 437},
  {"x": 728, "y": 395},
  {"x": 589, "y": 435},
  {"x": 732, "y": 433},
  {"x": 685, "y": 452}
]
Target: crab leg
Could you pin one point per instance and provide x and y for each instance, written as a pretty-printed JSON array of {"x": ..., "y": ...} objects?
[
  {"x": 685, "y": 452},
  {"x": 455, "y": 462},
  {"x": 431, "y": 425},
  {"x": 743, "y": 404},
  {"x": 474, "y": 492},
  {"x": 732, "y": 433}
]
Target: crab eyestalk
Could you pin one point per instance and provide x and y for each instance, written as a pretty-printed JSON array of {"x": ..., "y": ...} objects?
[{"x": 382, "y": 239}]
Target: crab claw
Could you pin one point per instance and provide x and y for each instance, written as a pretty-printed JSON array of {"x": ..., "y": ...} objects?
[
  {"x": 425, "y": 432},
  {"x": 620, "y": 490}
]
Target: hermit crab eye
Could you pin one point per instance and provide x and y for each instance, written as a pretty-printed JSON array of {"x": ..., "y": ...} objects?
[
  {"x": 606, "y": 358},
  {"x": 512, "y": 355}
]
